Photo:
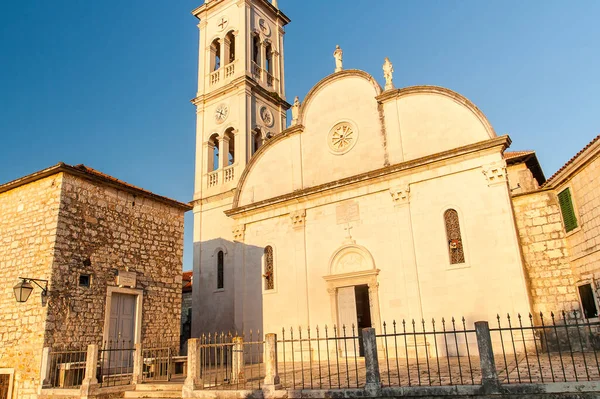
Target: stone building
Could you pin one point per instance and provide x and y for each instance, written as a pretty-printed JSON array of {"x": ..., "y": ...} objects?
[
  {"x": 111, "y": 254},
  {"x": 373, "y": 204},
  {"x": 559, "y": 228}
]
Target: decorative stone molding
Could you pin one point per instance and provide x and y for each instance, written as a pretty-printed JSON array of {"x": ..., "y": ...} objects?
[
  {"x": 239, "y": 232},
  {"x": 400, "y": 195},
  {"x": 495, "y": 173},
  {"x": 298, "y": 218}
]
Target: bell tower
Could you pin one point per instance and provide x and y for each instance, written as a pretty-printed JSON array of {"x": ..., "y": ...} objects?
[
  {"x": 240, "y": 104},
  {"x": 241, "y": 97}
]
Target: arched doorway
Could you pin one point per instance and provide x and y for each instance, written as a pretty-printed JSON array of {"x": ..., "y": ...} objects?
[{"x": 353, "y": 289}]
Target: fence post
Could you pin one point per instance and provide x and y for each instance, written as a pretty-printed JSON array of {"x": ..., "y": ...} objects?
[
  {"x": 193, "y": 379},
  {"x": 138, "y": 364},
  {"x": 373, "y": 385},
  {"x": 91, "y": 368},
  {"x": 237, "y": 364},
  {"x": 489, "y": 376},
  {"x": 271, "y": 372}
]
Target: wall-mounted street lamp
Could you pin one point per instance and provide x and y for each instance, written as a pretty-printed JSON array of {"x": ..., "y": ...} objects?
[{"x": 24, "y": 288}]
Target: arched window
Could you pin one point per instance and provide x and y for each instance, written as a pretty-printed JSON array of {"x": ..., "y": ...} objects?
[
  {"x": 256, "y": 49},
  {"x": 256, "y": 140},
  {"x": 213, "y": 155},
  {"x": 231, "y": 153},
  {"x": 215, "y": 51},
  {"x": 453, "y": 236},
  {"x": 220, "y": 271},
  {"x": 230, "y": 44},
  {"x": 269, "y": 60},
  {"x": 269, "y": 271}
]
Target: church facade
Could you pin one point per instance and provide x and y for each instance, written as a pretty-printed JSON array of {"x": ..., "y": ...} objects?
[{"x": 374, "y": 203}]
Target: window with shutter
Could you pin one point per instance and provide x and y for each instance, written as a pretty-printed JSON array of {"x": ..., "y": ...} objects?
[{"x": 567, "y": 210}]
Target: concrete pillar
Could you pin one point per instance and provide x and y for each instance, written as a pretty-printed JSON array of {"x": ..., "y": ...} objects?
[
  {"x": 373, "y": 382},
  {"x": 45, "y": 368},
  {"x": 271, "y": 372},
  {"x": 193, "y": 380},
  {"x": 91, "y": 369},
  {"x": 138, "y": 365},
  {"x": 489, "y": 377},
  {"x": 237, "y": 363}
]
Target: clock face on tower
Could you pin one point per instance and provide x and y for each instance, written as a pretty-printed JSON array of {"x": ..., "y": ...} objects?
[
  {"x": 267, "y": 116},
  {"x": 221, "y": 113}
]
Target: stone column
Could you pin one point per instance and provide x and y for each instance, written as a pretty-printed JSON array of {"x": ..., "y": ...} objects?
[
  {"x": 138, "y": 364},
  {"x": 91, "y": 369},
  {"x": 237, "y": 364},
  {"x": 489, "y": 376},
  {"x": 373, "y": 382},
  {"x": 223, "y": 152},
  {"x": 45, "y": 369},
  {"x": 271, "y": 371},
  {"x": 194, "y": 379}
]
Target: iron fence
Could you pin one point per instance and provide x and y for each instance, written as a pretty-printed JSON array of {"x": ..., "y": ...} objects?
[
  {"x": 115, "y": 366},
  {"x": 66, "y": 367},
  {"x": 562, "y": 348},
  {"x": 232, "y": 362},
  {"x": 163, "y": 362},
  {"x": 327, "y": 358},
  {"x": 419, "y": 353}
]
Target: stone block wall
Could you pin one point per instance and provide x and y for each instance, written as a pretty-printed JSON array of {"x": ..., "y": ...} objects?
[
  {"x": 584, "y": 242},
  {"x": 545, "y": 252},
  {"x": 28, "y": 224},
  {"x": 101, "y": 230}
]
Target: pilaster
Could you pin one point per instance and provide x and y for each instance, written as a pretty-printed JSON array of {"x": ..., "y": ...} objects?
[{"x": 411, "y": 300}]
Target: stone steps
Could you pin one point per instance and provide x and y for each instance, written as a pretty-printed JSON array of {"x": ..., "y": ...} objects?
[{"x": 155, "y": 391}]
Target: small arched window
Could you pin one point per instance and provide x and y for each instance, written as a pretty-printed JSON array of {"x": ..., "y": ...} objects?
[
  {"x": 230, "y": 43},
  {"x": 256, "y": 49},
  {"x": 213, "y": 145},
  {"x": 269, "y": 59},
  {"x": 220, "y": 271},
  {"x": 269, "y": 271},
  {"x": 215, "y": 51},
  {"x": 454, "y": 238},
  {"x": 256, "y": 140},
  {"x": 231, "y": 155}
]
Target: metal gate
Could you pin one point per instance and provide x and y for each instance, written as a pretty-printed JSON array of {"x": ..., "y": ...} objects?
[{"x": 163, "y": 363}]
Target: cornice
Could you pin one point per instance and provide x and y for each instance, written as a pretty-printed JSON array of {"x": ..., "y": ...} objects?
[
  {"x": 213, "y": 198},
  {"x": 459, "y": 98},
  {"x": 242, "y": 82},
  {"x": 270, "y": 8},
  {"x": 503, "y": 142}
]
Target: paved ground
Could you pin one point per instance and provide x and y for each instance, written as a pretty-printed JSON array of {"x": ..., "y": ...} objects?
[{"x": 350, "y": 372}]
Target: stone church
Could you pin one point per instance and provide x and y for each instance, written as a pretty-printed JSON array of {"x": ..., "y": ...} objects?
[{"x": 373, "y": 203}]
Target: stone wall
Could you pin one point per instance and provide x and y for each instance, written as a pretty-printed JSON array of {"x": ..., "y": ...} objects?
[
  {"x": 28, "y": 223},
  {"x": 545, "y": 252},
  {"x": 101, "y": 230},
  {"x": 584, "y": 242}
]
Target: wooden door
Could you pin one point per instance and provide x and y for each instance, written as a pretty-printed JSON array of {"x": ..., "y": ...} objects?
[
  {"x": 346, "y": 318},
  {"x": 121, "y": 333}
]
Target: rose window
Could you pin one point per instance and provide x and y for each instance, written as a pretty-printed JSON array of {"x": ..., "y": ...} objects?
[{"x": 342, "y": 138}]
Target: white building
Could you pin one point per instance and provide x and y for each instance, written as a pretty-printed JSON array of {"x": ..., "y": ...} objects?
[{"x": 374, "y": 204}]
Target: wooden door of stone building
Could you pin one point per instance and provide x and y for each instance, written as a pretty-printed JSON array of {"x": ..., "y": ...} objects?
[{"x": 121, "y": 332}]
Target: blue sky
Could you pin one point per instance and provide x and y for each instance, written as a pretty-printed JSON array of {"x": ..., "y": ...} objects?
[{"x": 108, "y": 83}]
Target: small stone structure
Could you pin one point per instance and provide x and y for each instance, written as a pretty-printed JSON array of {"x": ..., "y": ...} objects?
[{"x": 93, "y": 237}]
